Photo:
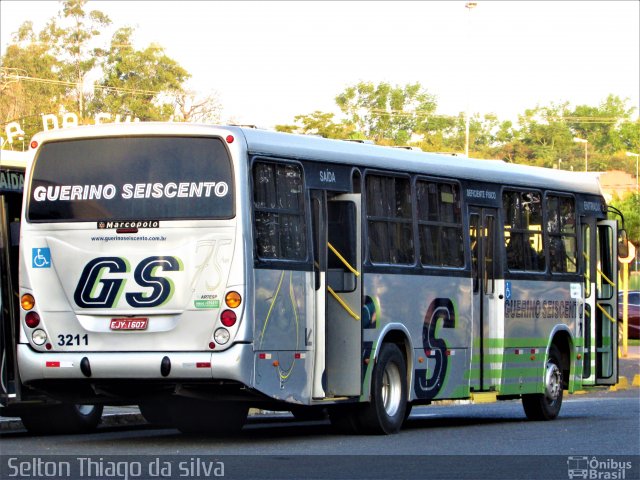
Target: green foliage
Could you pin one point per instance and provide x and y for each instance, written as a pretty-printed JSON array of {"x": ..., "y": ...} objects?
[
  {"x": 47, "y": 72},
  {"x": 139, "y": 83},
  {"x": 23, "y": 99},
  {"x": 629, "y": 205},
  {"x": 384, "y": 113},
  {"x": 320, "y": 124}
]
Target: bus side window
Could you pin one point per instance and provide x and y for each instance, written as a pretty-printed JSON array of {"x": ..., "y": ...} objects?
[
  {"x": 561, "y": 233},
  {"x": 389, "y": 219},
  {"x": 439, "y": 224},
  {"x": 278, "y": 201},
  {"x": 523, "y": 231}
]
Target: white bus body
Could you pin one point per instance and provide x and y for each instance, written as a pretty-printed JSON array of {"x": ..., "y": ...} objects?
[{"x": 173, "y": 264}]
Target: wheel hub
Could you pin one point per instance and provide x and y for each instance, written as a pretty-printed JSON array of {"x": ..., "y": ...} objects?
[
  {"x": 391, "y": 389},
  {"x": 552, "y": 382}
]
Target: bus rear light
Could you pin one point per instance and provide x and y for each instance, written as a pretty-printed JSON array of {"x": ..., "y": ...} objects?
[
  {"x": 39, "y": 337},
  {"x": 203, "y": 364},
  {"x": 233, "y": 299},
  {"x": 32, "y": 320},
  {"x": 228, "y": 318},
  {"x": 27, "y": 302},
  {"x": 230, "y": 139},
  {"x": 212, "y": 345},
  {"x": 48, "y": 346},
  {"x": 221, "y": 336},
  {"x": 33, "y": 144}
]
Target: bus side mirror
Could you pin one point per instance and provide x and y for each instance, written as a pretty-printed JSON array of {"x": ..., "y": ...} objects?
[{"x": 623, "y": 244}]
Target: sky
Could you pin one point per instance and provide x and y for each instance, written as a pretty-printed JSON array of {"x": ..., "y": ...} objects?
[{"x": 270, "y": 61}]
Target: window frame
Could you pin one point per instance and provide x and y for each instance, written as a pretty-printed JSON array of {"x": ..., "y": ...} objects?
[
  {"x": 524, "y": 232},
  {"x": 368, "y": 218},
  {"x": 549, "y": 236},
  {"x": 303, "y": 213},
  {"x": 438, "y": 223}
]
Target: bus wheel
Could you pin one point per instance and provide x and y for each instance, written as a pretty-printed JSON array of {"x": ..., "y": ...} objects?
[
  {"x": 194, "y": 416},
  {"x": 386, "y": 411},
  {"x": 61, "y": 419},
  {"x": 546, "y": 406}
]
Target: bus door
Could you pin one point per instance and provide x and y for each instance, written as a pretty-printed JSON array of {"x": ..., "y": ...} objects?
[
  {"x": 337, "y": 252},
  {"x": 601, "y": 297},
  {"x": 487, "y": 327},
  {"x": 10, "y": 202}
]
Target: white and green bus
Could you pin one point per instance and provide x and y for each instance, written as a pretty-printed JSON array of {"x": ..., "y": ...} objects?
[{"x": 199, "y": 270}]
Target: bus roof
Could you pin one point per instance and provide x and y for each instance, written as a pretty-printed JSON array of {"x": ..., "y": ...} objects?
[
  {"x": 14, "y": 159},
  {"x": 311, "y": 148},
  {"x": 451, "y": 166}
]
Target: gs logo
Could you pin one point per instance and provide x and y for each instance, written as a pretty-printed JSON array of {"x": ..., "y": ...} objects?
[
  {"x": 436, "y": 348},
  {"x": 96, "y": 290}
]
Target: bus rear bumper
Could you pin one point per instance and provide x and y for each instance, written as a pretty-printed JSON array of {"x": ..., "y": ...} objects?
[{"x": 235, "y": 364}]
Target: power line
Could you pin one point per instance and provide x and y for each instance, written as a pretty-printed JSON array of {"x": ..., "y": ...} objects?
[{"x": 75, "y": 84}]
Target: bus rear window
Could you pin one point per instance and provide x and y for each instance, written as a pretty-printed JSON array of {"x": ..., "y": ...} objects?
[{"x": 132, "y": 178}]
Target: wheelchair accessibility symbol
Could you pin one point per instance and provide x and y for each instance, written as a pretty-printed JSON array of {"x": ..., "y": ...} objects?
[
  {"x": 40, "y": 258},
  {"x": 507, "y": 290}
]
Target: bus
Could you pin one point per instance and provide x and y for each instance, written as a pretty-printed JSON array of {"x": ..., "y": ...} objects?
[
  {"x": 200, "y": 270},
  {"x": 38, "y": 412}
]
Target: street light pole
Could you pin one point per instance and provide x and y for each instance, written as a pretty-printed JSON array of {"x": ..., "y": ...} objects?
[
  {"x": 631, "y": 154},
  {"x": 469, "y": 6},
  {"x": 586, "y": 142}
]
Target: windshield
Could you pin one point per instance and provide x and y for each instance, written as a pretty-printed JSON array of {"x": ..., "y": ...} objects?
[{"x": 132, "y": 178}]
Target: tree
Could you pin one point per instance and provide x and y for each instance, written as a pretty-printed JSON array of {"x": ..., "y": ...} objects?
[
  {"x": 194, "y": 108},
  {"x": 47, "y": 72},
  {"x": 69, "y": 39},
  {"x": 546, "y": 134},
  {"x": 384, "y": 113},
  {"x": 29, "y": 85},
  {"x": 629, "y": 205},
  {"x": 140, "y": 83},
  {"x": 601, "y": 124},
  {"x": 320, "y": 124}
]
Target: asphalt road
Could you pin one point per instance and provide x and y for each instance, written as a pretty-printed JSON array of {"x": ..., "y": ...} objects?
[{"x": 462, "y": 441}]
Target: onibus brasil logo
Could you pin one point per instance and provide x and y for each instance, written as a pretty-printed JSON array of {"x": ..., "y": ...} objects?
[{"x": 593, "y": 468}]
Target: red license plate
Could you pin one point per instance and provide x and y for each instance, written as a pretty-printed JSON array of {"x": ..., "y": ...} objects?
[{"x": 129, "y": 323}]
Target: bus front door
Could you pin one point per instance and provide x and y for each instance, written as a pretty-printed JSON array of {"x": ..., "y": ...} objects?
[
  {"x": 601, "y": 297},
  {"x": 337, "y": 252},
  {"x": 487, "y": 326}
]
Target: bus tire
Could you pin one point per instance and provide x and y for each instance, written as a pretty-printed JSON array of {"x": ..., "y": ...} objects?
[
  {"x": 64, "y": 418},
  {"x": 407, "y": 413},
  {"x": 195, "y": 416},
  {"x": 546, "y": 406},
  {"x": 385, "y": 413}
]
